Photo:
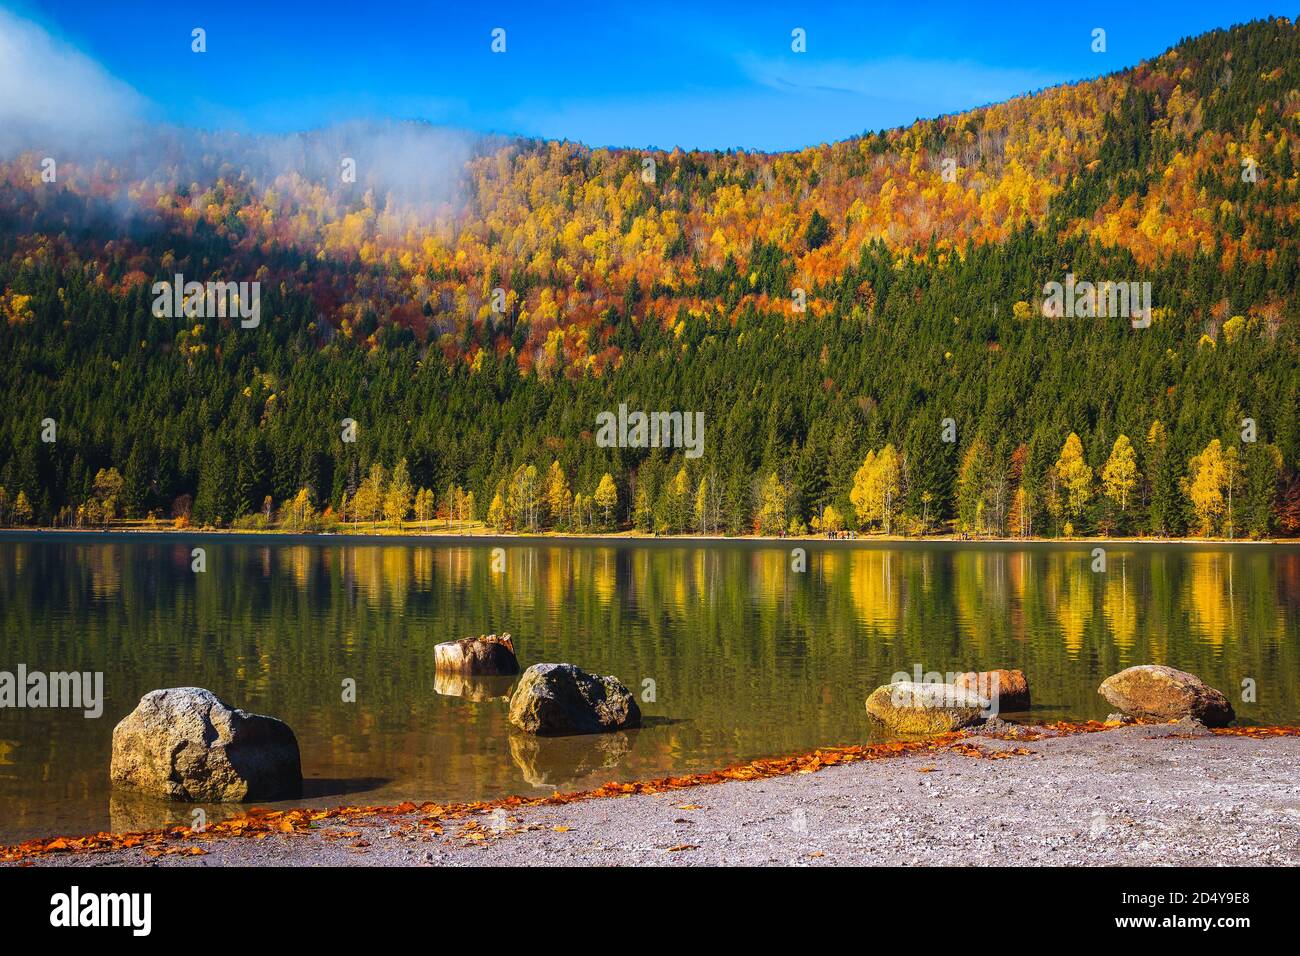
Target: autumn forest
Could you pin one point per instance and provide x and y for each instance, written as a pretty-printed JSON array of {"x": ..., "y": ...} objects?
[{"x": 863, "y": 324}]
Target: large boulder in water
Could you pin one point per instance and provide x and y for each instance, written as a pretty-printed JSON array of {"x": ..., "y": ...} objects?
[
  {"x": 1157, "y": 692},
  {"x": 906, "y": 707},
  {"x": 1006, "y": 690},
  {"x": 556, "y": 699},
  {"x": 490, "y": 655},
  {"x": 185, "y": 743}
]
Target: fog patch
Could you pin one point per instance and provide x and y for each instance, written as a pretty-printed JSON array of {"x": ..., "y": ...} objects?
[{"x": 55, "y": 98}]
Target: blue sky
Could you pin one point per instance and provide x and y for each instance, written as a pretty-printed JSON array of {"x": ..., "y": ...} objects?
[{"x": 707, "y": 75}]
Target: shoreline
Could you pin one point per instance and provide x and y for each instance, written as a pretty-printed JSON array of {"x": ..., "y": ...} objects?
[
  {"x": 407, "y": 535},
  {"x": 1074, "y": 794}
]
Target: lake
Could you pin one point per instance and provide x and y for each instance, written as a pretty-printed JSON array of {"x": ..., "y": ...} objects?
[{"x": 733, "y": 654}]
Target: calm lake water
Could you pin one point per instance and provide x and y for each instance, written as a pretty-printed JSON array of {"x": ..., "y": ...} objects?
[{"x": 745, "y": 657}]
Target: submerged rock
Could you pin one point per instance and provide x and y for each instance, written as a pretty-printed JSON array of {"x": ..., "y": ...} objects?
[
  {"x": 906, "y": 707},
  {"x": 489, "y": 655},
  {"x": 185, "y": 743},
  {"x": 1157, "y": 692},
  {"x": 556, "y": 699},
  {"x": 1006, "y": 690}
]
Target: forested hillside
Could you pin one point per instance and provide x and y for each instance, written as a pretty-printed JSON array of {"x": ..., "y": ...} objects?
[{"x": 863, "y": 324}]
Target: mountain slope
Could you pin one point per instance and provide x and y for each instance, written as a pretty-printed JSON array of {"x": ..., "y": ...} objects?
[{"x": 924, "y": 300}]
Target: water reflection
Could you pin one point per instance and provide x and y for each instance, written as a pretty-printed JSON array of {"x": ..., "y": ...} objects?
[
  {"x": 472, "y": 687},
  {"x": 568, "y": 762},
  {"x": 740, "y": 656}
]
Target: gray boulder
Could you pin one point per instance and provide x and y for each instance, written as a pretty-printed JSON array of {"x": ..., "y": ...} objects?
[
  {"x": 920, "y": 710},
  {"x": 558, "y": 699},
  {"x": 185, "y": 743}
]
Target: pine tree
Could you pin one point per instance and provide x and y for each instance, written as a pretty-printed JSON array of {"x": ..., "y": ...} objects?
[
  {"x": 972, "y": 479},
  {"x": 213, "y": 504},
  {"x": 1262, "y": 469},
  {"x": 1165, "y": 515}
]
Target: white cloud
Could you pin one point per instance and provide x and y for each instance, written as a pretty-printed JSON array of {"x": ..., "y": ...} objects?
[{"x": 53, "y": 95}]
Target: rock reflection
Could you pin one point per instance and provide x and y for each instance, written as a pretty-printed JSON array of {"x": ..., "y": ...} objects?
[
  {"x": 559, "y": 762},
  {"x": 131, "y": 813},
  {"x": 473, "y": 688}
]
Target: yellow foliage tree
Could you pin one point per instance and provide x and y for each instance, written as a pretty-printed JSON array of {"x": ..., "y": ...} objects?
[
  {"x": 496, "y": 516},
  {"x": 607, "y": 497},
  {"x": 876, "y": 487},
  {"x": 1207, "y": 475},
  {"x": 397, "y": 499},
  {"x": 1075, "y": 476},
  {"x": 559, "y": 497},
  {"x": 773, "y": 499},
  {"x": 1120, "y": 474}
]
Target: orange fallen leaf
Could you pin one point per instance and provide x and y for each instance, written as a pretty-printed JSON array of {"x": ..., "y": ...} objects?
[{"x": 258, "y": 822}]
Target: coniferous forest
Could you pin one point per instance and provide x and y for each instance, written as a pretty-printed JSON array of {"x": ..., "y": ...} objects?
[{"x": 863, "y": 324}]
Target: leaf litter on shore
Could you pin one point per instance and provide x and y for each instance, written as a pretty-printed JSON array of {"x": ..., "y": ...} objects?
[{"x": 260, "y": 822}]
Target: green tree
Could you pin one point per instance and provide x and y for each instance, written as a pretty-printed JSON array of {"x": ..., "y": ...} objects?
[
  {"x": 818, "y": 231},
  {"x": 1164, "y": 513},
  {"x": 1263, "y": 468},
  {"x": 972, "y": 480},
  {"x": 213, "y": 502}
]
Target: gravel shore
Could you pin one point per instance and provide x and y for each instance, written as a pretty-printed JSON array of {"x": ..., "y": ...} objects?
[{"x": 1142, "y": 795}]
